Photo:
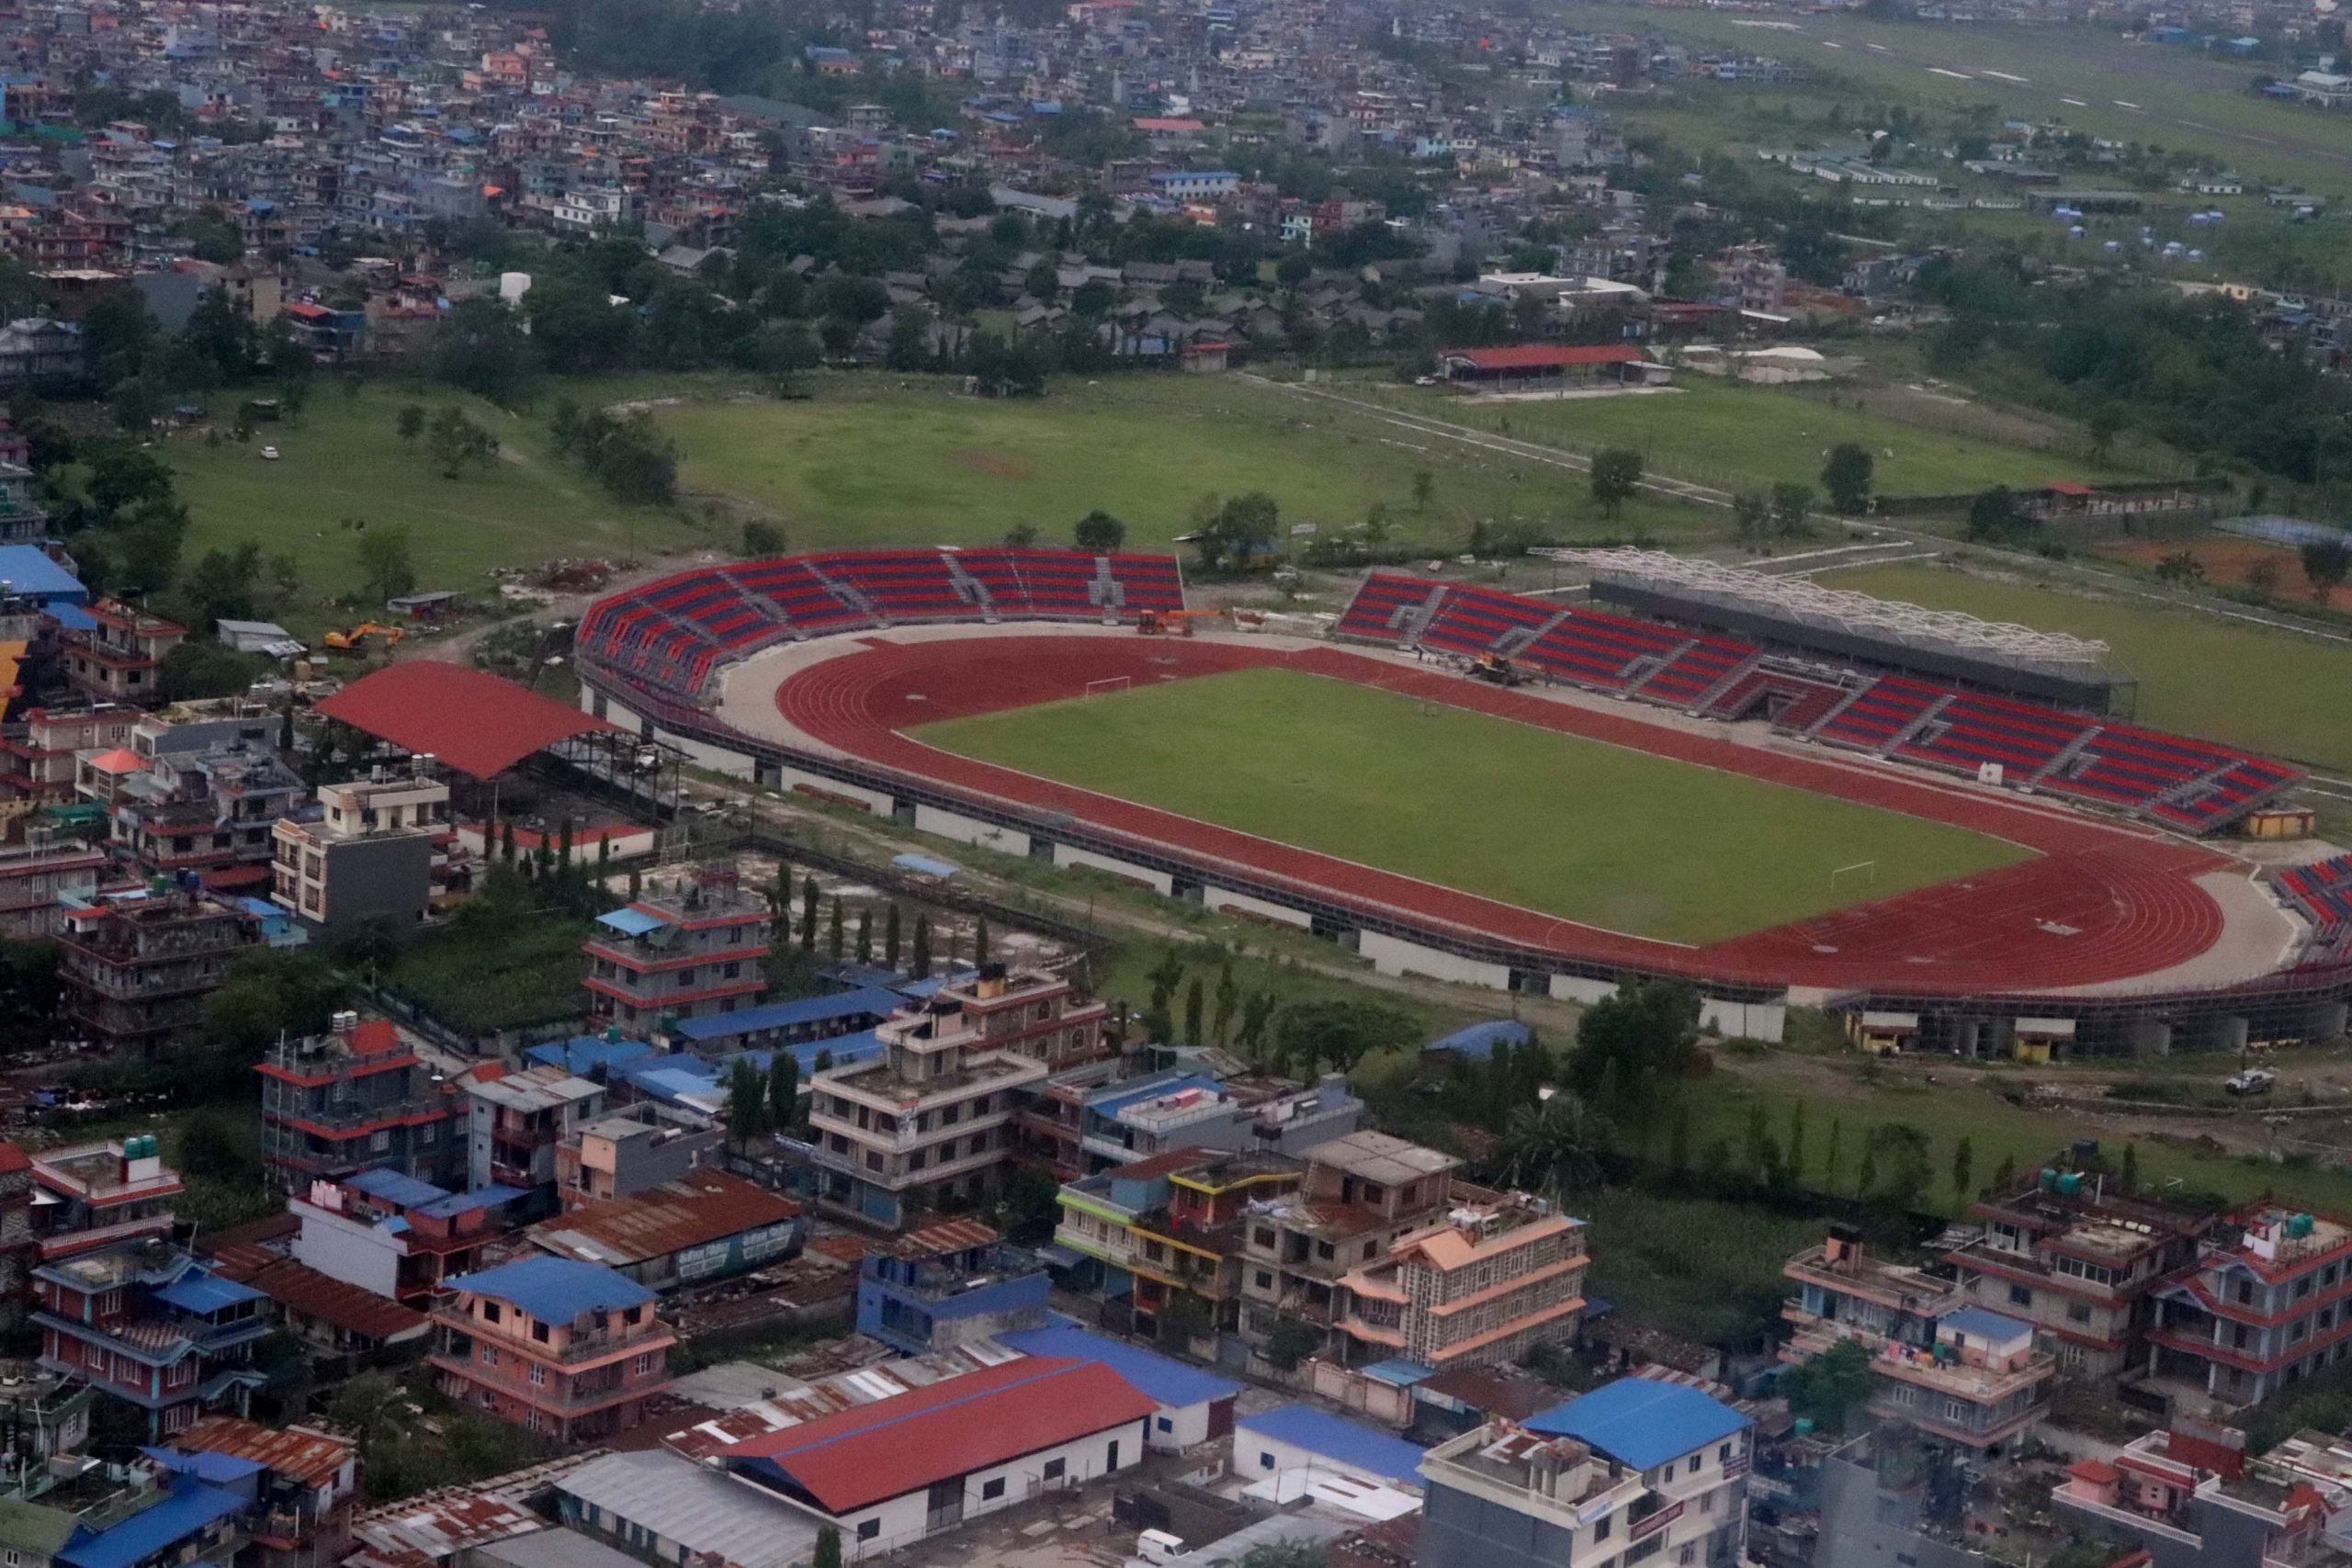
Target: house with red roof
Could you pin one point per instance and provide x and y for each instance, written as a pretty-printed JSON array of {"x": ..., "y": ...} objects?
[
  {"x": 2189, "y": 1500},
  {"x": 903, "y": 1469}
]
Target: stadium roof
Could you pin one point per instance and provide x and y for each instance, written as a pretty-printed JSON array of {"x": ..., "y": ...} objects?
[
  {"x": 895, "y": 1446},
  {"x": 1641, "y": 1423},
  {"x": 1171, "y": 1384},
  {"x": 1349, "y": 1444},
  {"x": 476, "y": 723},
  {"x": 555, "y": 1289}
]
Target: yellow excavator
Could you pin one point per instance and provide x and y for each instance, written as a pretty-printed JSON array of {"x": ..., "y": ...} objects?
[{"x": 355, "y": 639}]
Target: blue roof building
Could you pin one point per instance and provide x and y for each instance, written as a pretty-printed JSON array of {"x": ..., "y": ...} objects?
[
  {"x": 1298, "y": 1437},
  {"x": 1642, "y": 1423},
  {"x": 187, "y": 1521},
  {"x": 807, "y": 1018},
  {"x": 555, "y": 1289},
  {"x": 1195, "y": 1405}
]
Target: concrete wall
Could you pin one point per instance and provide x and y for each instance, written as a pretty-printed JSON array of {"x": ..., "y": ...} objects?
[
  {"x": 1065, "y": 855},
  {"x": 876, "y": 801},
  {"x": 1174, "y": 1429},
  {"x": 1242, "y": 903},
  {"x": 970, "y": 830},
  {"x": 349, "y": 1250},
  {"x": 1578, "y": 989},
  {"x": 1745, "y": 1020},
  {"x": 1391, "y": 956}
]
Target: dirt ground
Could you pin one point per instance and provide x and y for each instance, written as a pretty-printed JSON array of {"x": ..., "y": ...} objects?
[{"x": 2227, "y": 563}]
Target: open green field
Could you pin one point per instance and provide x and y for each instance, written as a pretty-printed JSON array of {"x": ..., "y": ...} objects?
[
  {"x": 2226, "y": 680},
  {"x": 1736, "y": 436},
  {"x": 1611, "y": 838},
  {"x": 344, "y": 459},
  {"x": 906, "y": 461},
  {"x": 2088, "y": 78}
]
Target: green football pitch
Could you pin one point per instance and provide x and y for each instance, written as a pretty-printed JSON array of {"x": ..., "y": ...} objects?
[{"x": 1611, "y": 838}]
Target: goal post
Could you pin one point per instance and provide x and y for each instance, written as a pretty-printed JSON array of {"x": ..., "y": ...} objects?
[
  {"x": 1868, "y": 868},
  {"x": 1108, "y": 684}
]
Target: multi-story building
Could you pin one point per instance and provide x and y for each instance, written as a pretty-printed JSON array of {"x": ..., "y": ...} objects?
[
  {"x": 38, "y": 754},
  {"x": 2269, "y": 1300},
  {"x": 116, "y": 659},
  {"x": 355, "y": 1099},
  {"x": 1358, "y": 1197},
  {"x": 698, "y": 950},
  {"x": 935, "y": 1113},
  {"x": 567, "y": 1349},
  {"x": 1634, "y": 1471},
  {"x": 137, "y": 967},
  {"x": 1171, "y": 1226},
  {"x": 621, "y": 1155},
  {"x": 938, "y": 1287},
  {"x": 202, "y": 801},
  {"x": 1154, "y": 1115},
  {"x": 2186, "y": 1497},
  {"x": 1953, "y": 1370},
  {"x": 374, "y": 849},
  {"x": 93, "y": 1195},
  {"x": 2079, "y": 1262},
  {"x": 302, "y": 1495},
  {"x": 149, "y": 1327},
  {"x": 1497, "y": 1277},
  {"x": 515, "y": 1122},
  {"x": 38, "y": 874},
  {"x": 393, "y": 1235}
]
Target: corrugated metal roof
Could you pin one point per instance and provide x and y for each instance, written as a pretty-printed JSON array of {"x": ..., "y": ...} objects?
[
  {"x": 699, "y": 1207},
  {"x": 1349, "y": 1445},
  {"x": 701, "y": 1512},
  {"x": 1641, "y": 1421}
]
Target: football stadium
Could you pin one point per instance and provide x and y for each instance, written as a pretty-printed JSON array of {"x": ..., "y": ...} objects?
[{"x": 1778, "y": 794}]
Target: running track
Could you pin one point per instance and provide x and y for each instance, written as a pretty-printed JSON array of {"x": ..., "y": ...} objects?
[{"x": 2099, "y": 905}]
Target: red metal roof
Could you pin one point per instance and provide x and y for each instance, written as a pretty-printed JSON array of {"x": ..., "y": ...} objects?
[
  {"x": 895, "y": 1446},
  {"x": 477, "y": 724},
  {"x": 1543, "y": 356},
  {"x": 698, "y": 1208},
  {"x": 304, "y": 1290}
]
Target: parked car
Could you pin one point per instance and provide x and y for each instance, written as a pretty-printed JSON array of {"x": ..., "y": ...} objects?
[
  {"x": 2254, "y": 1081},
  {"x": 269, "y": 454}
]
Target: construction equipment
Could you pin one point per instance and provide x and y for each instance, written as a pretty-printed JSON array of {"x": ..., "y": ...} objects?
[
  {"x": 1496, "y": 669},
  {"x": 1172, "y": 623},
  {"x": 355, "y": 639}
]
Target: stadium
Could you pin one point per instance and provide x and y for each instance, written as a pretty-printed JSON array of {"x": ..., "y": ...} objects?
[{"x": 1937, "y": 825}]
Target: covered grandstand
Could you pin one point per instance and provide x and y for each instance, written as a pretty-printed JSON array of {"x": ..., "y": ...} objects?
[{"x": 1799, "y": 615}]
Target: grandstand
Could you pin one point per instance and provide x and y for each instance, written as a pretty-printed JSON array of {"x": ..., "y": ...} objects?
[
  {"x": 2190, "y": 786},
  {"x": 668, "y": 637},
  {"x": 1800, "y": 616},
  {"x": 2321, "y": 894}
]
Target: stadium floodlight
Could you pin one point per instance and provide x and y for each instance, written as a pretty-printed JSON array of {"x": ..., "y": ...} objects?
[{"x": 1805, "y": 603}]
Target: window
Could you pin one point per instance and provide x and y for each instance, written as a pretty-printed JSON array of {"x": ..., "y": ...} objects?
[
  {"x": 538, "y": 1375},
  {"x": 1692, "y": 1468},
  {"x": 2077, "y": 1313},
  {"x": 490, "y": 1312},
  {"x": 489, "y": 1355},
  {"x": 1265, "y": 1461},
  {"x": 1601, "y": 1526},
  {"x": 1111, "y": 1462},
  {"x": 990, "y": 1489},
  {"x": 1722, "y": 1455},
  {"x": 869, "y": 1529},
  {"x": 2020, "y": 1296},
  {"x": 540, "y": 1332},
  {"x": 1262, "y": 1236},
  {"x": 1055, "y": 1468},
  {"x": 646, "y": 1362},
  {"x": 1707, "y": 1501},
  {"x": 1166, "y": 1424},
  {"x": 1265, "y": 1280}
]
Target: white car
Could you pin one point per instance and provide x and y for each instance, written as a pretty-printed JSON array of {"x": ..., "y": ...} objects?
[
  {"x": 2254, "y": 1081},
  {"x": 269, "y": 454}
]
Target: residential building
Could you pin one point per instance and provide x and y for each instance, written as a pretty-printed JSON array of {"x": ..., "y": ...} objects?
[
  {"x": 1636, "y": 1469},
  {"x": 95, "y": 1194},
  {"x": 2268, "y": 1300},
  {"x": 201, "y": 801},
  {"x": 897, "y": 1471},
  {"x": 623, "y": 1155},
  {"x": 570, "y": 1350},
  {"x": 1302, "y": 1441},
  {"x": 698, "y": 950},
  {"x": 136, "y": 968},
  {"x": 372, "y": 850},
  {"x": 149, "y": 1327},
  {"x": 393, "y": 1235},
  {"x": 331, "y": 1317},
  {"x": 19, "y": 1244},
  {"x": 2187, "y": 1498},
  {"x": 1952, "y": 1370},
  {"x": 2079, "y": 1262},
  {"x": 1358, "y": 1197},
  {"x": 704, "y": 1226},
  {"x": 38, "y": 874},
  {"x": 515, "y": 1119},
  {"x": 356, "y": 1098},
  {"x": 935, "y": 1113},
  {"x": 41, "y": 351},
  {"x": 1494, "y": 1280},
  {"x": 38, "y": 754},
  {"x": 153, "y": 1512},
  {"x": 1883, "y": 1497},
  {"x": 1170, "y": 1226},
  {"x": 1146, "y": 1117},
  {"x": 946, "y": 1284},
  {"x": 298, "y": 1487},
  {"x": 116, "y": 658},
  {"x": 770, "y": 1026}
]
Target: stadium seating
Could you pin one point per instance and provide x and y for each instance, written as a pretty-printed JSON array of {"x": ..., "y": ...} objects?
[
  {"x": 1973, "y": 730},
  {"x": 1876, "y": 718},
  {"x": 668, "y": 637},
  {"x": 1802, "y": 700},
  {"x": 1371, "y": 616},
  {"x": 2322, "y": 892}
]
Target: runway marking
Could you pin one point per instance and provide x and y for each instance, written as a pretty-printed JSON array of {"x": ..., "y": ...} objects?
[
  {"x": 2076, "y": 102},
  {"x": 1955, "y": 75},
  {"x": 2004, "y": 76}
]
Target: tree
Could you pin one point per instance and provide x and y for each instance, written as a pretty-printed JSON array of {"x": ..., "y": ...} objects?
[
  {"x": 1631, "y": 1045},
  {"x": 1558, "y": 1143},
  {"x": 1257, "y": 1011},
  {"x": 482, "y": 347},
  {"x": 1791, "y": 504},
  {"x": 1100, "y": 532},
  {"x": 918, "y": 961},
  {"x": 835, "y": 935},
  {"x": 2005, "y": 1175},
  {"x": 1830, "y": 1164},
  {"x": 454, "y": 440},
  {"x": 890, "y": 939},
  {"x": 1221, "y": 1010},
  {"x": 784, "y": 1090},
  {"x": 828, "y": 1553},
  {"x": 1242, "y": 529},
  {"x": 410, "y": 421},
  {"x": 1846, "y": 476},
  {"x": 207, "y": 669},
  {"x": 1964, "y": 1167},
  {"x": 1424, "y": 487},
  {"x": 386, "y": 570},
  {"x": 1195, "y": 1007},
  {"x": 980, "y": 941},
  {"x": 2102, "y": 424},
  {"x": 1796, "y": 1141},
  {"x": 1020, "y": 536},
  {"x": 2130, "y": 1173},
  {"x": 762, "y": 539},
  {"x": 747, "y": 1103},
  {"x": 1292, "y": 1342},
  {"x": 2262, "y": 577},
  {"x": 1895, "y": 1157},
  {"x": 810, "y": 893},
  {"x": 1829, "y": 1388},
  {"x": 2179, "y": 568},
  {"x": 1616, "y": 475},
  {"x": 1993, "y": 513},
  {"x": 2326, "y": 563},
  {"x": 1030, "y": 1204},
  {"x": 1751, "y": 516},
  {"x": 866, "y": 936},
  {"x": 1310, "y": 1035}
]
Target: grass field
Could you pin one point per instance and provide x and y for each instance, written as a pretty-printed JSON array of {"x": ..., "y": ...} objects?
[
  {"x": 2087, "y": 78},
  {"x": 910, "y": 460},
  {"x": 2201, "y": 675},
  {"x": 1611, "y": 838},
  {"x": 1739, "y": 437},
  {"x": 345, "y": 460}
]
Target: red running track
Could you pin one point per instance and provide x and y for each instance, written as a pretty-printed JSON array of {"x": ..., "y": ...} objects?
[{"x": 2100, "y": 904}]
